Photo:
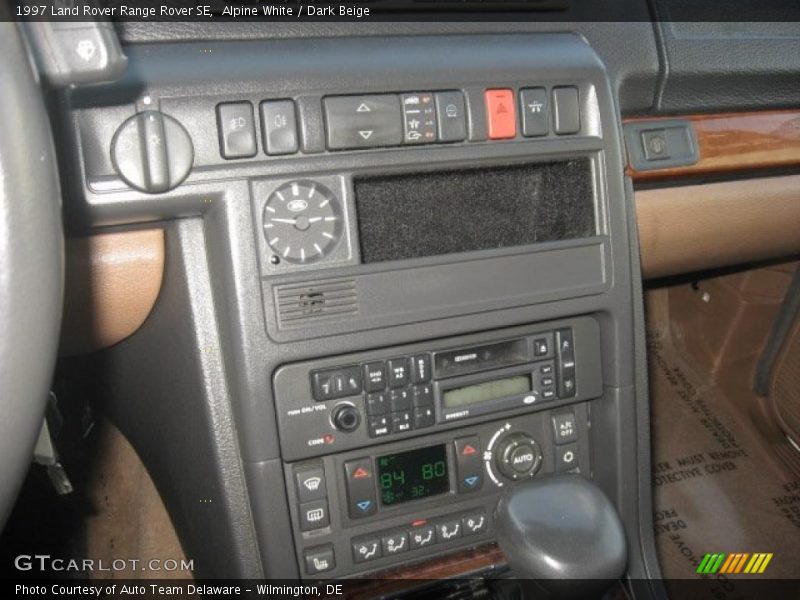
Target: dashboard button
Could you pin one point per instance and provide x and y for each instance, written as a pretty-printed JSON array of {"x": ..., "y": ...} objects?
[
  {"x": 474, "y": 524},
  {"x": 566, "y": 458},
  {"x": 360, "y": 481},
  {"x": 423, "y": 395},
  {"x": 422, "y": 536},
  {"x": 566, "y": 363},
  {"x": 398, "y": 372},
  {"x": 469, "y": 463},
  {"x": 377, "y": 404},
  {"x": 237, "y": 130},
  {"x": 394, "y": 543},
  {"x": 535, "y": 112},
  {"x": 379, "y": 426},
  {"x": 319, "y": 559},
  {"x": 451, "y": 115},
  {"x": 402, "y": 421},
  {"x": 421, "y": 368},
  {"x": 279, "y": 127},
  {"x": 363, "y": 121},
  {"x": 424, "y": 417},
  {"x": 314, "y": 515},
  {"x": 564, "y": 428},
  {"x": 447, "y": 531},
  {"x": 654, "y": 142},
  {"x": 566, "y": 110},
  {"x": 375, "y": 377},
  {"x": 336, "y": 383},
  {"x": 400, "y": 400},
  {"x": 310, "y": 482},
  {"x": 541, "y": 346},
  {"x": 322, "y": 386},
  {"x": 500, "y": 114},
  {"x": 364, "y": 550}
]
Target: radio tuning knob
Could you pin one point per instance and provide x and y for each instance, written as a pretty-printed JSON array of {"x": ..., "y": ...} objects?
[
  {"x": 518, "y": 456},
  {"x": 346, "y": 418}
]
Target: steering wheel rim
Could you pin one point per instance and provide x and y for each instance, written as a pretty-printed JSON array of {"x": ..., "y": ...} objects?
[{"x": 31, "y": 263}]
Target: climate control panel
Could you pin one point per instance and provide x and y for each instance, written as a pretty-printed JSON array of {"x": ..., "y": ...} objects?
[{"x": 367, "y": 509}]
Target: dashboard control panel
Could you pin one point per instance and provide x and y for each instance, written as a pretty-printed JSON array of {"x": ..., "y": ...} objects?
[
  {"x": 356, "y": 122},
  {"x": 367, "y": 509},
  {"x": 402, "y": 453},
  {"x": 333, "y": 405}
]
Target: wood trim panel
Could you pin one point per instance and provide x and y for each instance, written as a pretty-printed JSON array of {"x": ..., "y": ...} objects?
[
  {"x": 460, "y": 564},
  {"x": 736, "y": 142},
  {"x": 696, "y": 227},
  {"x": 112, "y": 282}
]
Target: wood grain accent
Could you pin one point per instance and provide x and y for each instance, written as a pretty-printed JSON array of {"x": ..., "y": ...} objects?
[
  {"x": 460, "y": 564},
  {"x": 697, "y": 227},
  {"x": 735, "y": 142},
  {"x": 112, "y": 282}
]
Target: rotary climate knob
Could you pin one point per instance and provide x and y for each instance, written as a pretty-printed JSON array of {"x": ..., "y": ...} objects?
[
  {"x": 518, "y": 456},
  {"x": 152, "y": 152}
]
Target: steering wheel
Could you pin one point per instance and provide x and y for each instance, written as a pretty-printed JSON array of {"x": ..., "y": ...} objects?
[{"x": 31, "y": 263}]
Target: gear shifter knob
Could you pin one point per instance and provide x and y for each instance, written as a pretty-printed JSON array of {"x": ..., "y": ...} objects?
[{"x": 563, "y": 533}]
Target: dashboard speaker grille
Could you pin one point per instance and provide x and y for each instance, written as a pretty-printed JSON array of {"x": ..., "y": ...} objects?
[{"x": 297, "y": 304}]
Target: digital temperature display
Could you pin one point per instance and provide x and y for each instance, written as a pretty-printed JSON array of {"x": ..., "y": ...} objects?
[{"x": 413, "y": 475}]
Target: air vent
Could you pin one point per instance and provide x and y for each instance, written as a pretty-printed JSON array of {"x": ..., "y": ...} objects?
[{"x": 299, "y": 304}]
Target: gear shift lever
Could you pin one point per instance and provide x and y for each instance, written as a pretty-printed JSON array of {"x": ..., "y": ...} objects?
[{"x": 563, "y": 533}]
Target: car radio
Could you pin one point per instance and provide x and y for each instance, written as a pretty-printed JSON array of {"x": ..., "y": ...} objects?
[{"x": 402, "y": 453}]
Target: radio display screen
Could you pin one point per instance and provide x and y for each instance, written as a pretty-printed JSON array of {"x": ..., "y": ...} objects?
[
  {"x": 413, "y": 475},
  {"x": 488, "y": 390}
]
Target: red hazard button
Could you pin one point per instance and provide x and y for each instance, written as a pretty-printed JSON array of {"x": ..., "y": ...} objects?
[
  {"x": 500, "y": 114},
  {"x": 467, "y": 450},
  {"x": 360, "y": 473}
]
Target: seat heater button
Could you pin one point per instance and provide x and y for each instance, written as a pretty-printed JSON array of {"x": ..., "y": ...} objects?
[{"x": 319, "y": 560}]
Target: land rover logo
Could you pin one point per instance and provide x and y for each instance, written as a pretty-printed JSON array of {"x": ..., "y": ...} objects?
[{"x": 297, "y": 205}]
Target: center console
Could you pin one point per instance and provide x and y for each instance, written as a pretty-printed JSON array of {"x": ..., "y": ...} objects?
[
  {"x": 421, "y": 260},
  {"x": 401, "y": 453}
]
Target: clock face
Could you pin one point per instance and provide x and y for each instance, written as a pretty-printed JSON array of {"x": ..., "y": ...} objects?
[{"x": 302, "y": 222}]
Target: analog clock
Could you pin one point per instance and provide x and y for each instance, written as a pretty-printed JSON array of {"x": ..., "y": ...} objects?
[{"x": 302, "y": 222}]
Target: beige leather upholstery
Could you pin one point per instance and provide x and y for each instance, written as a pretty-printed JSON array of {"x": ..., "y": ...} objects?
[
  {"x": 112, "y": 282},
  {"x": 691, "y": 228}
]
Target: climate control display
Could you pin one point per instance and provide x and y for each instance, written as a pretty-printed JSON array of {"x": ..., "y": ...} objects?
[{"x": 413, "y": 475}]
